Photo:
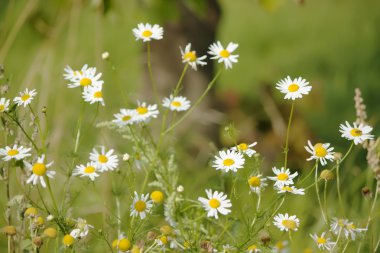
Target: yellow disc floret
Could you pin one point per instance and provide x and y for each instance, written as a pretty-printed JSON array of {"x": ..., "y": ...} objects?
[
  {"x": 356, "y": 132},
  {"x": 190, "y": 56},
  {"x": 224, "y": 53},
  {"x": 102, "y": 159},
  {"x": 68, "y": 240},
  {"x": 147, "y": 33},
  {"x": 282, "y": 176},
  {"x": 13, "y": 152},
  {"x": 214, "y": 203},
  {"x": 228, "y": 162},
  {"x": 89, "y": 169},
  {"x": 176, "y": 104},
  {"x": 140, "y": 206},
  {"x": 25, "y": 97},
  {"x": 289, "y": 224},
  {"x": 254, "y": 181},
  {"x": 141, "y": 110},
  {"x": 293, "y": 87},
  {"x": 124, "y": 244},
  {"x": 320, "y": 151},
  {"x": 39, "y": 169},
  {"x": 85, "y": 81},
  {"x": 157, "y": 196}
]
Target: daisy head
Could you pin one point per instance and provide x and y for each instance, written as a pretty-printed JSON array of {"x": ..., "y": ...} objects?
[
  {"x": 281, "y": 247},
  {"x": 257, "y": 183},
  {"x": 245, "y": 148},
  {"x": 15, "y": 152},
  {"x": 322, "y": 242},
  {"x": 25, "y": 97},
  {"x": 93, "y": 94},
  {"x": 145, "y": 112},
  {"x": 89, "y": 170},
  {"x": 176, "y": 103},
  {"x": 4, "y": 104},
  {"x": 286, "y": 222},
  {"x": 253, "y": 249},
  {"x": 104, "y": 161},
  {"x": 190, "y": 57},
  {"x": 358, "y": 132},
  {"x": 122, "y": 244},
  {"x": 81, "y": 229},
  {"x": 215, "y": 203},
  {"x": 147, "y": 32},
  {"x": 74, "y": 75},
  {"x": 39, "y": 169},
  {"x": 125, "y": 117},
  {"x": 293, "y": 88},
  {"x": 320, "y": 152},
  {"x": 228, "y": 160},
  {"x": 218, "y": 52},
  {"x": 283, "y": 177},
  {"x": 85, "y": 78},
  {"x": 290, "y": 189},
  {"x": 141, "y": 205}
]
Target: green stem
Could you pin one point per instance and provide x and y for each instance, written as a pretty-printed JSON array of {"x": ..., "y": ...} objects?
[
  {"x": 310, "y": 173},
  {"x": 78, "y": 129},
  {"x": 325, "y": 202},
  {"x": 337, "y": 239},
  {"x": 51, "y": 194},
  {"x": 154, "y": 86},
  {"x": 319, "y": 198},
  {"x": 42, "y": 199},
  {"x": 287, "y": 136},
  {"x": 37, "y": 120}
]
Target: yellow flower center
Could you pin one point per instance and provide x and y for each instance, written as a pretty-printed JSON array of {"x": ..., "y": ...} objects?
[
  {"x": 176, "y": 104},
  {"x": 68, "y": 240},
  {"x": 252, "y": 247},
  {"x": 280, "y": 245},
  {"x": 89, "y": 170},
  {"x": 242, "y": 146},
  {"x": 341, "y": 223},
  {"x": 25, "y": 97},
  {"x": 282, "y": 177},
  {"x": 30, "y": 212},
  {"x": 13, "y": 152},
  {"x": 147, "y": 33},
  {"x": 98, "y": 94},
  {"x": 356, "y": 132},
  {"x": 85, "y": 81},
  {"x": 126, "y": 118},
  {"x": 191, "y": 56},
  {"x": 321, "y": 240},
  {"x": 254, "y": 181},
  {"x": 102, "y": 159},
  {"x": 2, "y": 107},
  {"x": 293, "y": 87},
  {"x": 224, "y": 53},
  {"x": 39, "y": 169},
  {"x": 140, "y": 206},
  {"x": 141, "y": 110},
  {"x": 351, "y": 226},
  {"x": 320, "y": 151},
  {"x": 228, "y": 162},
  {"x": 157, "y": 196},
  {"x": 287, "y": 188},
  {"x": 164, "y": 239},
  {"x": 289, "y": 224},
  {"x": 214, "y": 203},
  {"x": 124, "y": 244}
]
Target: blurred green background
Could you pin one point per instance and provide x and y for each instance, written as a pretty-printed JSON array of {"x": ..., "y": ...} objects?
[{"x": 334, "y": 44}]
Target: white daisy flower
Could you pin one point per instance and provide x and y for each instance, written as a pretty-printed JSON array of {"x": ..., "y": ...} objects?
[
  {"x": 39, "y": 170},
  {"x": 15, "y": 152},
  {"x": 88, "y": 170},
  {"x": 228, "y": 160},
  {"x": 291, "y": 189},
  {"x": 245, "y": 148},
  {"x": 74, "y": 75},
  {"x": 224, "y": 55},
  {"x": 357, "y": 133},
  {"x": 253, "y": 249},
  {"x": 283, "y": 177},
  {"x": 320, "y": 152},
  {"x": 190, "y": 57},
  {"x": 322, "y": 242},
  {"x": 257, "y": 183},
  {"x": 145, "y": 112},
  {"x": 105, "y": 161},
  {"x": 4, "y": 104},
  {"x": 93, "y": 94},
  {"x": 352, "y": 231},
  {"x": 141, "y": 205},
  {"x": 286, "y": 222},
  {"x": 293, "y": 88},
  {"x": 215, "y": 202},
  {"x": 25, "y": 97},
  {"x": 125, "y": 117},
  {"x": 176, "y": 103},
  {"x": 85, "y": 78},
  {"x": 81, "y": 229},
  {"x": 281, "y": 247},
  {"x": 228, "y": 249},
  {"x": 337, "y": 224},
  {"x": 147, "y": 32},
  {"x": 347, "y": 227}
]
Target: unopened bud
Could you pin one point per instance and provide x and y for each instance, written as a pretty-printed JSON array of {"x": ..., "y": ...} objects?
[
  {"x": 180, "y": 188},
  {"x": 366, "y": 192},
  {"x": 9, "y": 230},
  {"x": 38, "y": 241},
  {"x": 327, "y": 175},
  {"x": 105, "y": 56},
  {"x": 151, "y": 235},
  {"x": 51, "y": 233},
  {"x": 337, "y": 156},
  {"x": 126, "y": 157}
]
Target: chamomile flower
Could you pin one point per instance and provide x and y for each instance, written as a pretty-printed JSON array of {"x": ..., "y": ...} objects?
[
  {"x": 74, "y": 75},
  {"x": 293, "y": 88},
  {"x": 105, "y": 161},
  {"x": 81, "y": 229},
  {"x": 141, "y": 205},
  {"x": 257, "y": 183},
  {"x": 290, "y": 189},
  {"x": 228, "y": 160},
  {"x": 88, "y": 170},
  {"x": 224, "y": 55},
  {"x": 281, "y": 247},
  {"x": 322, "y": 242},
  {"x": 147, "y": 32},
  {"x": 347, "y": 227},
  {"x": 122, "y": 244},
  {"x": 4, "y": 104},
  {"x": 39, "y": 169},
  {"x": 93, "y": 94},
  {"x": 320, "y": 152},
  {"x": 125, "y": 117},
  {"x": 253, "y": 249},
  {"x": 283, "y": 177},
  {"x": 145, "y": 112},
  {"x": 190, "y": 57},
  {"x": 245, "y": 148},
  {"x": 286, "y": 222},
  {"x": 352, "y": 231},
  {"x": 357, "y": 133},
  {"x": 337, "y": 224},
  {"x": 85, "y": 78},
  {"x": 25, "y": 97},
  {"x": 176, "y": 103},
  {"x": 16, "y": 152},
  {"x": 215, "y": 203}
]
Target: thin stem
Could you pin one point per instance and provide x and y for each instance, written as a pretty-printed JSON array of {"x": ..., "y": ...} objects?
[
  {"x": 177, "y": 87},
  {"x": 51, "y": 194},
  {"x": 310, "y": 173},
  {"x": 9, "y": 244},
  {"x": 42, "y": 199},
  {"x": 154, "y": 86},
  {"x": 337, "y": 239},
  {"x": 199, "y": 100},
  {"x": 319, "y": 198},
  {"x": 338, "y": 188},
  {"x": 37, "y": 120},
  {"x": 286, "y": 150},
  {"x": 118, "y": 216},
  {"x": 325, "y": 202},
  {"x": 78, "y": 129},
  {"x": 258, "y": 202},
  {"x": 345, "y": 247}
]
